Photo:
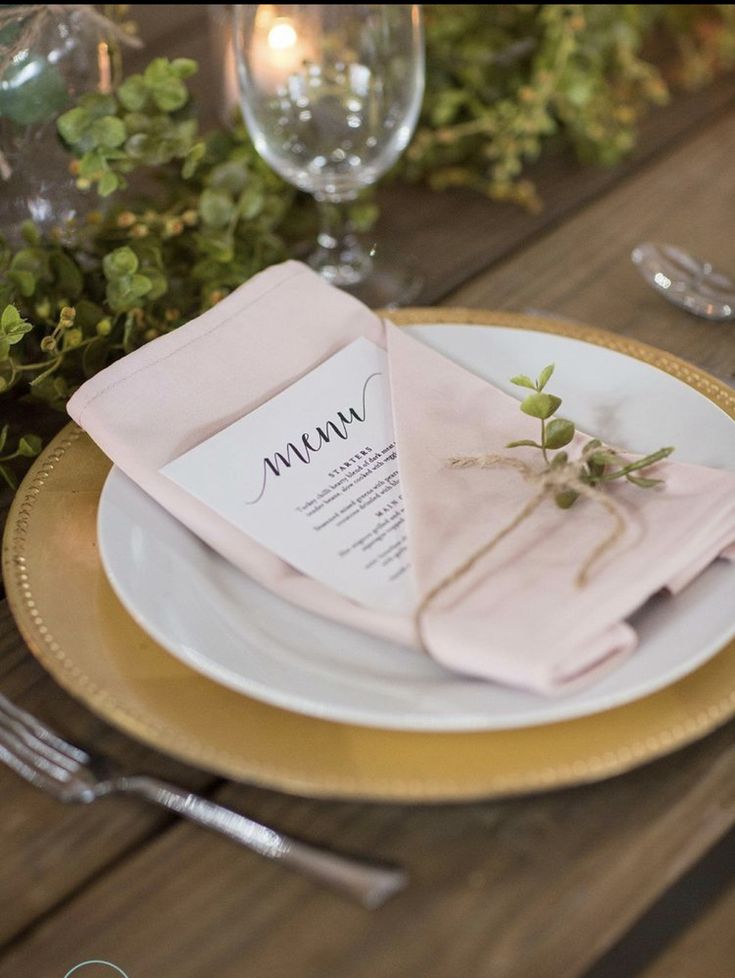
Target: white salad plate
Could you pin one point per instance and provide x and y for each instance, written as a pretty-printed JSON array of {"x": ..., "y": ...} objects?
[{"x": 219, "y": 622}]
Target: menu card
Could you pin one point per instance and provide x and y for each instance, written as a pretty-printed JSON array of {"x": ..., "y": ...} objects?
[{"x": 312, "y": 475}]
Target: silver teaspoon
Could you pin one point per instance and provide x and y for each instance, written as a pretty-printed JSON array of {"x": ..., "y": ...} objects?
[{"x": 685, "y": 280}]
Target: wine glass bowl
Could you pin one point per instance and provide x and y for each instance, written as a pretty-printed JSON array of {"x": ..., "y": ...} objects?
[{"x": 331, "y": 95}]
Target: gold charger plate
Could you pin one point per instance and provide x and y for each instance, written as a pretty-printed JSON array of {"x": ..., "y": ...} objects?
[{"x": 81, "y": 634}]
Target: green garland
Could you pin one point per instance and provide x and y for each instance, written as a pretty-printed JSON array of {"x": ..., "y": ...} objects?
[
  {"x": 503, "y": 81},
  {"x": 507, "y": 80}
]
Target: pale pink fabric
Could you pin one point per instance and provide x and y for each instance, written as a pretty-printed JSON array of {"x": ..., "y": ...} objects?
[{"x": 518, "y": 618}]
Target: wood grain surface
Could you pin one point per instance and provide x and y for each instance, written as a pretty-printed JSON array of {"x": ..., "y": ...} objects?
[
  {"x": 527, "y": 888},
  {"x": 582, "y": 269},
  {"x": 502, "y": 889},
  {"x": 706, "y": 948}
]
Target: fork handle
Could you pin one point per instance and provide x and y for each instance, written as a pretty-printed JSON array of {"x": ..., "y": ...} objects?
[{"x": 368, "y": 883}]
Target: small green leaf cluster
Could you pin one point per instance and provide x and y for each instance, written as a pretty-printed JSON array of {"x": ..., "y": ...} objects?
[
  {"x": 73, "y": 303},
  {"x": 26, "y": 447},
  {"x": 143, "y": 267},
  {"x": 507, "y": 81},
  {"x": 598, "y": 463},
  {"x": 555, "y": 432},
  {"x": 12, "y": 329},
  {"x": 143, "y": 123}
]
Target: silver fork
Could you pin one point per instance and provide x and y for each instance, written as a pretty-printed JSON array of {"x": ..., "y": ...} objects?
[{"x": 71, "y": 775}]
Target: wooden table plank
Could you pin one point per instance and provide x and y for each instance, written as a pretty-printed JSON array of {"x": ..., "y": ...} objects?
[
  {"x": 458, "y": 234},
  {"x": 49, "y": 850},
  {"x": 583, "y": 271},
  {"x": 707, "y": 948},
  {"x": 500, "y": 889}
]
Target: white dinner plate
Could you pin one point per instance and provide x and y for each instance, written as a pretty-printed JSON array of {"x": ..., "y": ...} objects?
[{"x": 224, "y": 625}]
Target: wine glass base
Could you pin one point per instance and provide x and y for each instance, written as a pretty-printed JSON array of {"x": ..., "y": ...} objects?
[{"x": 387, "y": 281}]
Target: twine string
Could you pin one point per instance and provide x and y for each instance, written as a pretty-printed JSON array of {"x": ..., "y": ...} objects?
[{"x": 566, "y": 477}]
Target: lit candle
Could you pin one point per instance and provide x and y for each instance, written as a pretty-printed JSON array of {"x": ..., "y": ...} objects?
[{"x": 278, "y": 49}]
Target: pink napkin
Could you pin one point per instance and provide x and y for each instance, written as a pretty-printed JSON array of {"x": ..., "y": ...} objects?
[{"x": 518, "y": 618}]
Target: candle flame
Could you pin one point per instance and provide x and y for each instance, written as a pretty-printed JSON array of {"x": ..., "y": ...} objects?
[{"x": 282, "y": 35}]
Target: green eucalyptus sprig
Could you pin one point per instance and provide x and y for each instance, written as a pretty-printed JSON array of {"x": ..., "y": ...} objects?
[
  {"x": 143, "y": 123},
  {"x": 598, "y": 463}
]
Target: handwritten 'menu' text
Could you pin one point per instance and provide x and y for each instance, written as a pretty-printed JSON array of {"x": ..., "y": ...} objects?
[{"x": 308, "y": 444}]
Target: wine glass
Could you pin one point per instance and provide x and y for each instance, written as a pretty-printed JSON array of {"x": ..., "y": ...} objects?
[{"x": 331, "y": 95}]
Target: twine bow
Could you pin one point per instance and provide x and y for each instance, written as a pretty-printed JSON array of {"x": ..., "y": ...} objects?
[{"x": 566, "y": 477}]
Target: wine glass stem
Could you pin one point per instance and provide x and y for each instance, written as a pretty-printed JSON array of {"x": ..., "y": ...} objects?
[{"x": 340, "y": 257}]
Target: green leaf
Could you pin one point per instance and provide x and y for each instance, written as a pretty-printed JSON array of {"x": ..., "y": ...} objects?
[
  {"x": 184, "y": 67},
  {"x": 121, "y": 261},
  {"x": 31, "y": 234},
  {"x": 92, "y": 165},
  {"x": 540, "y": 405},
  {"x": 73, "y": 124},
  {"x": 159, "y": 283},
  {"x": 522, "y": 443},
  {"x": 447, "y": 104},
  {"x": 125, "y": 292},
  {"x": 9, "y": 318},
  {"x": 231, "y": 176},
  {"x": 605, "y": 457},
  {"x": 140, "y": 285},
  {"x": 544, "y": 376},
  {"x": 251, "y": 202},
  {"x": 4, "y": 435},
  {"x": 559, "y": 433},
  {"x": 29, "y": 446},
  {"x": 192, "y": 160},
  {"x": 143, "y": 148},
  {"x": 109, "y": 131},
  {"x": 133, "y": 93},
  {"x": 522, "y": 381},
  {"x": 97, "y": 105},
  {"x": 26, "y": 281},
  {"x": 216, "y": 208},
  {"x": 69, "y": 279},
  {"x": 638, "y": 480},
  {"x": 165, "y": 86},
  {"x": 641, "y": 463},
  {"x": 16, "y": 332},
  {"x": 137, "y": 122},
  {"x": 108, "y": 184}
]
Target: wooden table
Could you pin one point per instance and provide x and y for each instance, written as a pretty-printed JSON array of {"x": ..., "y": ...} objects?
[{"x": 629, "y": 877}]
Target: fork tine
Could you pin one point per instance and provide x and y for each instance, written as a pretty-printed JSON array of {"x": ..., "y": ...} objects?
[
  {"x": 29, "y": 773},
  {"x": 35, "y": 745},
  {"x": 32, "y": 766},
  {"x": 14, "y": 715}
]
